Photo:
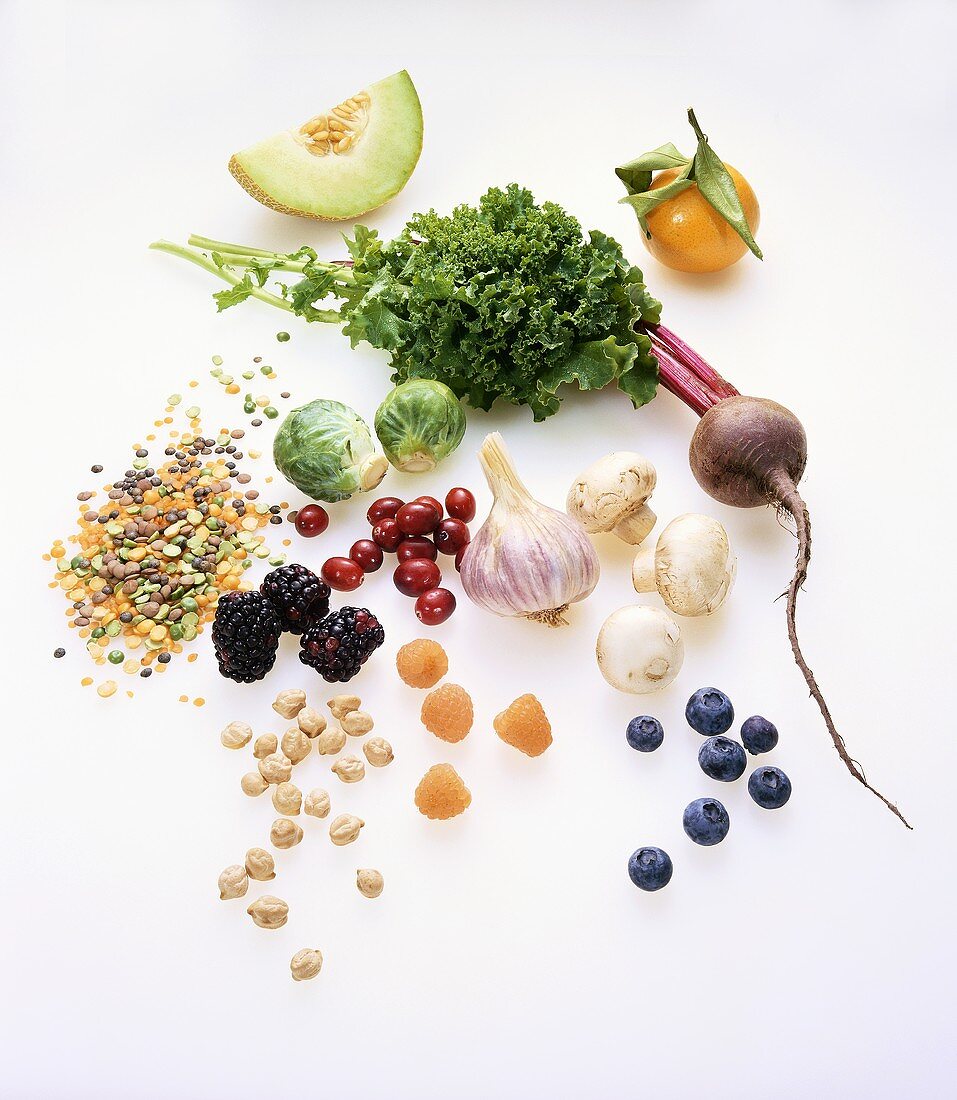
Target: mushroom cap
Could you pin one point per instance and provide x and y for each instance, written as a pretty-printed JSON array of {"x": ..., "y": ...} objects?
[
  {"x": 611, "y": 490},
  {"x": 695, "y": 566},
  {"x": 640, "y": 649}
]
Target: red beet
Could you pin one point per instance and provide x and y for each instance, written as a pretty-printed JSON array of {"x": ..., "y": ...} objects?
[{"x": 748, "y": 452}]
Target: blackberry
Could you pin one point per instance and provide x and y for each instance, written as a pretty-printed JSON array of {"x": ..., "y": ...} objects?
[
  {"x": 298, "y": 595},
  {"x": 246, "y": 633},
  {"x": 341, "y": 643}
]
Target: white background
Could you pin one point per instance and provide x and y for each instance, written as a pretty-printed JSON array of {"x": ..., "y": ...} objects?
[{"x": 813, "y": 951}]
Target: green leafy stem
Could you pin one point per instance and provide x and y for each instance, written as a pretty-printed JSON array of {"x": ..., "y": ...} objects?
[
  {"x": 705, "y": 170},
  {"x": 224, "y": 260}
]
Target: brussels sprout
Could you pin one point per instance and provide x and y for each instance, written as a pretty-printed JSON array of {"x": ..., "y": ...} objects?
[
  {"x": 325, "y": 449},
  {"x": 419, "y": 423}
]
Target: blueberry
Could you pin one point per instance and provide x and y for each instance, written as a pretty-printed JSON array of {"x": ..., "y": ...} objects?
[
  {"x": 645, "y": 734},
  {"x": 769, "y": 787},
  {"x": 758, "y": 734},
  {"x": 650, "y": 868},
  {"x": 721, "y": 758},
  {"x": 709, "y": 711},
  {"x": 706, "y": 821}
]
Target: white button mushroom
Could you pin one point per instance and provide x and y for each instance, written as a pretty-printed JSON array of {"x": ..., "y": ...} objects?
[
  {"x": 611, "y": 495},
  {"x": 640, "y": 649},
  {"x": 694, "y": 565}
]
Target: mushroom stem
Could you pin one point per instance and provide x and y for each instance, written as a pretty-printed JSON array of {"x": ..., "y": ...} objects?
[
  {"x": 643, "y": 569},
  {"x": 637, "y": 527}
]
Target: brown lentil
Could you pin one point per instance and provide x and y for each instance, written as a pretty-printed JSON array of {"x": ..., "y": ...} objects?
[{"x": 152, "y": 560}]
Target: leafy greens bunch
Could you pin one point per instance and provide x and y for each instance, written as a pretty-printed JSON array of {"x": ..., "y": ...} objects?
[{"x": 505, "y": 300}]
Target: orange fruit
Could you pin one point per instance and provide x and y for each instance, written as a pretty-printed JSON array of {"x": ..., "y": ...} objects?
[{"x": 688, "y": 234}]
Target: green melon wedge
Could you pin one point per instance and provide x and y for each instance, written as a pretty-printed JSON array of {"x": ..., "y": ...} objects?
[{"x": 341, "y": 163}]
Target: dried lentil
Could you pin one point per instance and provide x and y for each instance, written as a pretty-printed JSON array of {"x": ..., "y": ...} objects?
[{"x": 154, "y": 557}]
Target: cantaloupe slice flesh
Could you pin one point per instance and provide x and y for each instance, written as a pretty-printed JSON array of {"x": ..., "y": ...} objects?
[{"x": 343, "y": 162}]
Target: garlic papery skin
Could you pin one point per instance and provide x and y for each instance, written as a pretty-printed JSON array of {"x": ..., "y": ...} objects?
[
  {"x": 527, "y": 560},
  {"x": 695, "y": 566}
]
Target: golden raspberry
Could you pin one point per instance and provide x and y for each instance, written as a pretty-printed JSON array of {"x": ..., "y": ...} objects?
[
  {"x": 525, "y": 726},
  {"x": 422, "y": 663},
  {"x": 447, "y": 712},
  {"x": 441, "y": 794}
]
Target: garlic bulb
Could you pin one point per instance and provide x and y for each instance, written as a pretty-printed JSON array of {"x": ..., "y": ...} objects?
[{"x": 527, "y": 560}]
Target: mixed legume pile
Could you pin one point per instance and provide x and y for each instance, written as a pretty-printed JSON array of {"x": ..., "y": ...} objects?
[{"x": 152, "y": 560}]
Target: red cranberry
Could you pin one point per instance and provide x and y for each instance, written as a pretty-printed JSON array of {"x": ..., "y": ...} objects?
[
  {"x": 435, "y": 606},
  {"x": 311, "y": 520},
  {"x": 459, "y": 555},
  {"x": 429, "y": 500},
  {"x": 415, "y": 576},
  {"x": 383, "y": 508},
  {"x": 342, "y": 574},
  {"x": 460, "y": 504},
  {"x": 417, "y": 518},
  {"x": 451, "y": 535},
  {"x": 387, "y": 534},
  {"x": 416, "y": 546},
  {"x": 367, "y": 555}
]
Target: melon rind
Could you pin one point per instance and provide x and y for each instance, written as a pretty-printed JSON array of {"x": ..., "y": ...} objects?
[{"x": 283, "y": 175}]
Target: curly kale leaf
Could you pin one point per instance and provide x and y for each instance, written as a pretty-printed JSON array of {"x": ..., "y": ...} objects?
[{"x": 503, "y": 301}]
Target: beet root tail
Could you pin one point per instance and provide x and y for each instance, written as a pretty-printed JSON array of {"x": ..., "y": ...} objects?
[{"x": 789, "y": 500}]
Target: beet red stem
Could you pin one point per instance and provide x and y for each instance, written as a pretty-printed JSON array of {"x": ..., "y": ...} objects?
[
  {"x": 682, "y": 382},
  {"x": 683, "y": 371},
  {"x": 692, "y": 360}
]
